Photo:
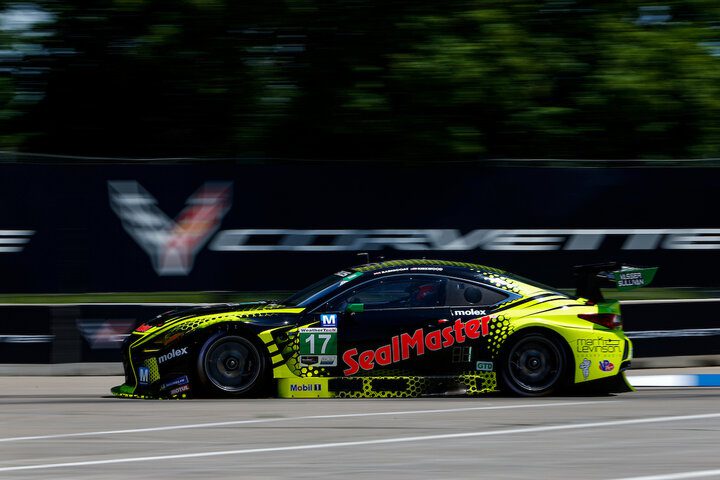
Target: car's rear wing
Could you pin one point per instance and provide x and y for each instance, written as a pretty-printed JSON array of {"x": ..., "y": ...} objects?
[{"x": 589, "y": 279}]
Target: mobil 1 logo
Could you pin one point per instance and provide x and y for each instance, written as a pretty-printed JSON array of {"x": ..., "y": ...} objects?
[{"x": 318, "y": 347}]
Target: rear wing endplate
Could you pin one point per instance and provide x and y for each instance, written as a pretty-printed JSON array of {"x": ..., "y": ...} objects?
[{"x": 589, "y": 279}]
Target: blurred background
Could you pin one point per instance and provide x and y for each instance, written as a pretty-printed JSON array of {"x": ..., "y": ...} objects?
[
  {"x": 361, "y": 79},
  {"x": 156, "y": 153}
]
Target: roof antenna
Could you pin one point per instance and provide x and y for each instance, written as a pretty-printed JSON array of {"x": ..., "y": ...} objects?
[{"x": 366, "y": 255}]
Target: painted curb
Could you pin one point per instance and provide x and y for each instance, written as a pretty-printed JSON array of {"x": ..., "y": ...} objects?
[{"x": 698, "y": 380}]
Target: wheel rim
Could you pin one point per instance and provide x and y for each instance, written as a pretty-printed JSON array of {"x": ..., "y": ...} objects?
[
  {"x": 535, "y": 363},
  {"x": 232, "y": 364}
]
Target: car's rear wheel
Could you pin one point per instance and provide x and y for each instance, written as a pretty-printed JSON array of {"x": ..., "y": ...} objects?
[
  {"x": 230, "y": 364},
  {"x": 533, "y": 365}
]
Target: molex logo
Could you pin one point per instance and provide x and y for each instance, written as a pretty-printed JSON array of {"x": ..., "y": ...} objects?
[{"x": 174, "y": 353}]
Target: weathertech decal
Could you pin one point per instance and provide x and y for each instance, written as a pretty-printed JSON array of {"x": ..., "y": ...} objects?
[{"x": 401, "y": 346}]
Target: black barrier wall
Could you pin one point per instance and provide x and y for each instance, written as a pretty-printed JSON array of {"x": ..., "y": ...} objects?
[{"x": 228, "y": 227}]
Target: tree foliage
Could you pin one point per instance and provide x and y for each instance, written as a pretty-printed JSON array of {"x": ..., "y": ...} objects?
[{"x": 393, "y": 80}]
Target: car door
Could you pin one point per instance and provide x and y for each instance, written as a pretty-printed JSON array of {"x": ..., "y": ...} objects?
[
  {"x": 383, "y": 326},
  {"x": 472, "y": 304}
]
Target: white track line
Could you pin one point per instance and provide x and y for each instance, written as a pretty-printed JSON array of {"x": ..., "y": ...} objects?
[
  {"x": 307, "y": 417},
  {"x": 677, "y": 476},
  {"x": 379, "y": 441}
]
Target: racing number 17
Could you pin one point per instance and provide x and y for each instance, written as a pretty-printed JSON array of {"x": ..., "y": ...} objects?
[
  {"x": 312, "y": 341},
  {"x": 324, "y": 337}
]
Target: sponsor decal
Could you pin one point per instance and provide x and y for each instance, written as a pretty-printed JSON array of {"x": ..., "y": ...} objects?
[
  {"x": 585, "y": 367},
  {"x": 484, "y": 366},
  {"x": 171, "y": 244},
  {"x": 105, "y": 334},
  {"x": 309, "y": 359},
  {"x": 180, "y": 389},
  {"x": 328, "y": 320},
  {"x": 350, "y": 278},
  {"x": 318, "y": 360},
  {"x": 318, "y": 341},
  {"x": 630, "y": 279},
  {"x": 597, "y": 345},
  {"x": 342, "y": 273},
  {"x": 143, "y": 375},
  {"x": 328, "y": 361},
  {"x": 315, "y": 387},
  {"x": 14, "y": 241},
  {"x": 606, "y": 366},
  {"x": 175, "y": 382},
  {"x": 174, "y": 353},
  {"x": 402, "y": 346},
  {"x": 467, "y": 313}
]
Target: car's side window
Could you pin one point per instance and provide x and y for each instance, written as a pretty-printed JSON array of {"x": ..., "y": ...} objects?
[
  {"x": 463, "y": 294},
  {"x": 397, "y": 292}
]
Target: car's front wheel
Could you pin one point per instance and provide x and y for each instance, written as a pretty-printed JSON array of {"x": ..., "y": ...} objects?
[
  {"x": 533, "y": 365},
  {"x": 230, "y": 364}
]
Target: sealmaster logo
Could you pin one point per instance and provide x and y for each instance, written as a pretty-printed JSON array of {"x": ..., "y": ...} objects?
[
  {"x": 171, "y": 245},
  {"x": 401, "y": 345},
  {"x": 178, "y": 352}
]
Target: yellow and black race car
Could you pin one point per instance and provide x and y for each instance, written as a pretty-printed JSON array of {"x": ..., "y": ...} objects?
[{"x": 393, "y": 329}]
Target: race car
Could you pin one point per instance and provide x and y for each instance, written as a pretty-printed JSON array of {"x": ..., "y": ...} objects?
[{"x": 400, "y": 328}]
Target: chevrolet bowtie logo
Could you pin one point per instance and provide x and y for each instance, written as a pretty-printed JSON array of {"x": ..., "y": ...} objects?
[{"x": 172, "y": 245}]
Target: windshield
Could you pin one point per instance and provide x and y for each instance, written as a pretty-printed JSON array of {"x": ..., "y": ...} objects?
[{"x": 314, "y": 291}]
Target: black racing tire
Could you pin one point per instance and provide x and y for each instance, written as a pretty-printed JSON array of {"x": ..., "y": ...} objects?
[
  {"x": 534, "y": 365},
  {"x": 230, "y": 364}
]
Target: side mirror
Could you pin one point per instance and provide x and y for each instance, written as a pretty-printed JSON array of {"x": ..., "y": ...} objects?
[{"x": 355, "y": 308}]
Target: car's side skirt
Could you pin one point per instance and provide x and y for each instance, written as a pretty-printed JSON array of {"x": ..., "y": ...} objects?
[{"x": 475, "y": 383}]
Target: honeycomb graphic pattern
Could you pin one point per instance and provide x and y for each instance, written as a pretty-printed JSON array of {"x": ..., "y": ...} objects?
[
  {"x": 152, "y": 365},
  {"x": 189, "y": 325},
  {"x": 416, "y": 386},
  {"x": 385, "y": 372},
  {"x": 291, "y": 353},
  {"x": 503, "y": 282},
  {"x": 441, "y": 263},
  {"x": 500, "y": 330},
  {"x": 479, "y": 383}
]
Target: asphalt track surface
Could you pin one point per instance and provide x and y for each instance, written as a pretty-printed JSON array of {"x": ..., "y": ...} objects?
[{"x": 68, "y": 427}]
